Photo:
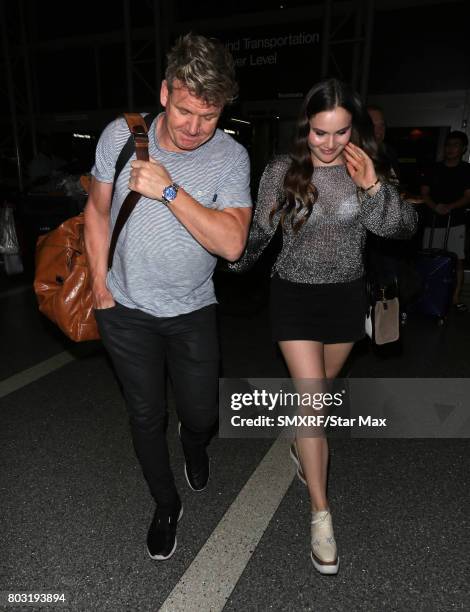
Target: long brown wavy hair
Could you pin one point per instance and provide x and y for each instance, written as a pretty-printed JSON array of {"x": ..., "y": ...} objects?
[{"x": 300, "y": 191}]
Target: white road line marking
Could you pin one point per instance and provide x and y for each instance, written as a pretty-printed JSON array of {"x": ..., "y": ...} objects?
[
  {"x": 212, "y": 576},
  {"x": 17, "y": 381}
]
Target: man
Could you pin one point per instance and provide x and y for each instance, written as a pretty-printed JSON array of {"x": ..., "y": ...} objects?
[
  {"x": 156, "y": 307},
  {"x": 384, "y": 254},
  {"x": 377, "y": 116},
  {"x": 446, "y": 191},
  {"x": 387, "y": 259}
]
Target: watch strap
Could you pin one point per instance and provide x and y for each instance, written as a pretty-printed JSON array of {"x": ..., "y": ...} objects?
[{"x": 176, "y": 187}]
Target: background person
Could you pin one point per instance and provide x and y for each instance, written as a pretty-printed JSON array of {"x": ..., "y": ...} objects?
[
  {"x": 377, "y": 116},
  {"x": 390, "y": 261},
  {"x": 446, "y": 190}
]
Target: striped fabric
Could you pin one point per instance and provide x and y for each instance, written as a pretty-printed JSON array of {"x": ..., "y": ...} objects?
[{"x": 158, "y": 266}]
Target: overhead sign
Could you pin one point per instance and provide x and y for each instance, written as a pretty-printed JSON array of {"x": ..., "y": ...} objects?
[{"x": 276, "y": 63}]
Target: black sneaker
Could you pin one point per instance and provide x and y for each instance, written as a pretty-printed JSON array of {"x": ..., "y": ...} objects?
[
  {"x": 161, "y": 537},
  {"x": 196, "y": 466}
]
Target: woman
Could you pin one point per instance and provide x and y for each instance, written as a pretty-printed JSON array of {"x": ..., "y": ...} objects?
[{"x": 334, "y": 187}]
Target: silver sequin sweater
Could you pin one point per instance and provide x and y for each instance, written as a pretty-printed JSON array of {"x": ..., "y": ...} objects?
[{"x": 330, "y": 245}]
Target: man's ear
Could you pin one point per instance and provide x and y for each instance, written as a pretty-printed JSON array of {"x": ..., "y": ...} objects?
[{"x": 164, "y": 93}]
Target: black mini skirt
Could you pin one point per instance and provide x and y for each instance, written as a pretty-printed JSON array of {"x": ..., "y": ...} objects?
[{"x": 330, "y": 313}]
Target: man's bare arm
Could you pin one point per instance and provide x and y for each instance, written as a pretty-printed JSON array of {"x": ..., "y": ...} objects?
[
  {"x": 97, "y": 240},
  {"x": 221, "y": 232}
]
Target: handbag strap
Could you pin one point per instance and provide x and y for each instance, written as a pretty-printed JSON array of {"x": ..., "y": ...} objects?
[{"x": 138, "y": 141}]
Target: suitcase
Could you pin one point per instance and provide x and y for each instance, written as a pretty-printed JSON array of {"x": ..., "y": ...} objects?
[{"x": 438, "y": 271}]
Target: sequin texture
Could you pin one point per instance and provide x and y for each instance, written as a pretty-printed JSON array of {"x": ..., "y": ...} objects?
[{"x": 329, "y": 247}]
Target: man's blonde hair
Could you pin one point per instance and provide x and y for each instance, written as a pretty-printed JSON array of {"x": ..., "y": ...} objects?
[{"x": 205, "y": 67}]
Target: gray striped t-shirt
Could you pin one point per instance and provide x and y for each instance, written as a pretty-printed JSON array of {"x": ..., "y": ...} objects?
[{"x": 158, "y": 266}]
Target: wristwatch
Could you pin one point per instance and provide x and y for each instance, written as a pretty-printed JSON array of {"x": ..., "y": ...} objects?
[{"x": 170, "y": 193}]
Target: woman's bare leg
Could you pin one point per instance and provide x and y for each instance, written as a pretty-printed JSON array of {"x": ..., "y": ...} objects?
[
  {"x": 335, "y": 357},
  {"x": 307, "y": 359}
]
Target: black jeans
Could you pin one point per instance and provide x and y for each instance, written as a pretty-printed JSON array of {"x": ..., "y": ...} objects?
[{"x": 141, "y": 346}]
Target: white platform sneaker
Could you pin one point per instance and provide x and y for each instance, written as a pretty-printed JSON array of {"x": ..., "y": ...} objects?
[{"x": 323, "y": 553}]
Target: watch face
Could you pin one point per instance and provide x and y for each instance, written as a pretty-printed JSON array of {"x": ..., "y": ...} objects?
[{"x": 169, "y": 193}]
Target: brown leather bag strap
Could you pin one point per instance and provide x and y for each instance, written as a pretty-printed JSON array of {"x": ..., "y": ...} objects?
[
  {"x": 138, "y": 127},
  {"x": 139, "y": 130}
]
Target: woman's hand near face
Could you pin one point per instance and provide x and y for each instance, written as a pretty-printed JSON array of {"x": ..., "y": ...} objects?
[{"x": 360, "y": 166}]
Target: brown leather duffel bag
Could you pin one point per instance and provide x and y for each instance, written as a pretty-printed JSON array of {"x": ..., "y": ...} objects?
[
  {"x": 62, "y": 277},
  {"x": 62, "y": 280}
]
